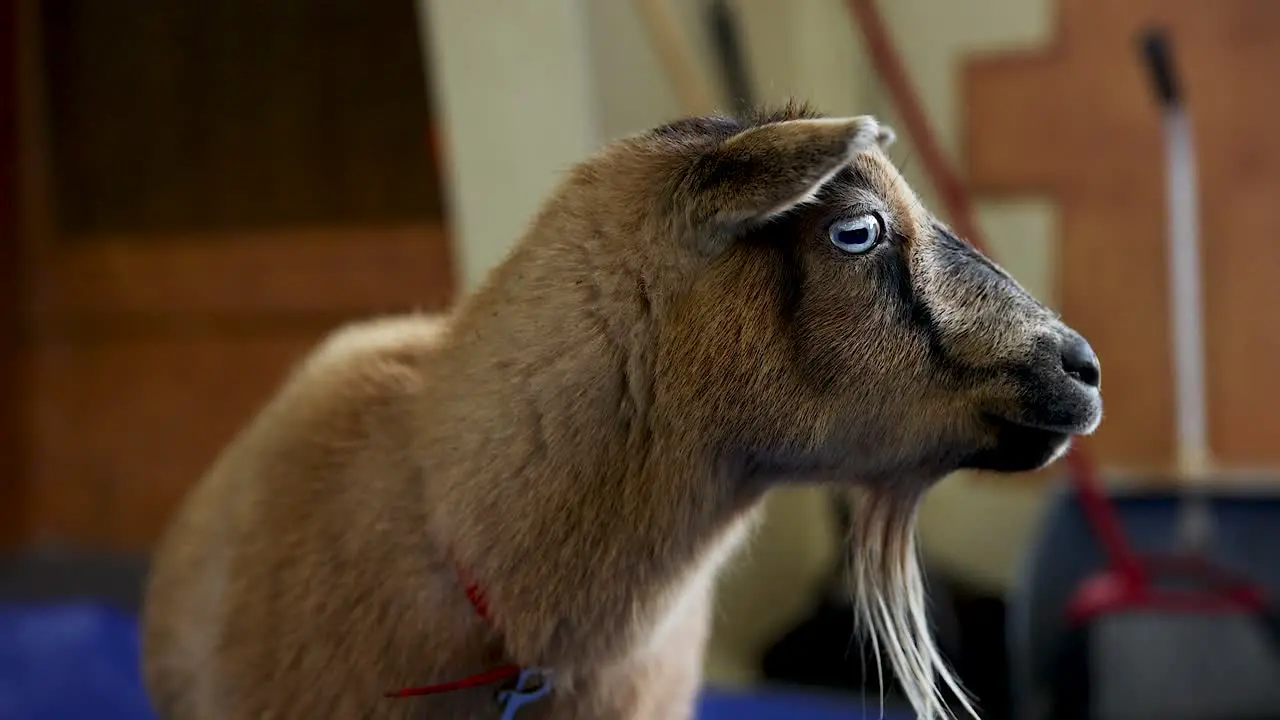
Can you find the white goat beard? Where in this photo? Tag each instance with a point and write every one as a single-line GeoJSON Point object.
{"type": "Point", "coordinates": [889, 597]}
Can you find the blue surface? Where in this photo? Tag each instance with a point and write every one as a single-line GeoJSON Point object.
{"type": "Point", "coordinates": [778, 705]}
{"type": "Point", "coordinates": [67, 662]}
{"type": "Point", "coordinates": [80, 661]}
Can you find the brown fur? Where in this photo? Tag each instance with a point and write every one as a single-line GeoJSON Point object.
{"type": "Point", "coordinates": [590, 434]}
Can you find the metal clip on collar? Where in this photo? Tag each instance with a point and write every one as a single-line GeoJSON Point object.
{"type": "Point", "coordinates": [532, 685]}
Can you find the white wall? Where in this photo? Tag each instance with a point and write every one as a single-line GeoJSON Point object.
{"type": "Point", "coordinates": [516, 104]}
{"type": "Point", "coordinates": [801, 48]}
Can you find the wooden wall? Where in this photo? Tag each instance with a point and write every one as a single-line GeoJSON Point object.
{"type": "Point", "coordinates": [233, 114]}
{"type": "Point", "coordinates": [1078, 121]}
{"type": "Point", "coordinates": [210, 187]}
{"type": "Point", "coordinates": [13, 448]}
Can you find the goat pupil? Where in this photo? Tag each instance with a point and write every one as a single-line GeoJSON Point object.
{"type": "Point", "coordinates": [854, 237]}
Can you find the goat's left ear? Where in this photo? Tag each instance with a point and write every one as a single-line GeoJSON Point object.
{"type": "Point", "coordinates": [770, 169]}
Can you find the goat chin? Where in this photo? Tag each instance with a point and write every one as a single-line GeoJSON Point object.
{"type": "Point", "coordinates": [889, 594]}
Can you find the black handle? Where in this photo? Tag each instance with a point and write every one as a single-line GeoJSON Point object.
{"type": "Point", "coordinates": [1155, 50]}
{"type": "Point", "coordinates": [726, 40]}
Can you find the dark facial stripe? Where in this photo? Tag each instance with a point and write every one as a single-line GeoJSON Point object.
{"type": "Point", "coordinates": [919, 316]}
{"type": "Point", "coordinates": [898, 284]}
{"type": "Point", "coordinates": [790, 284]}
{"type": "Point", "coordinates": [776, 240]}
{"type": "Point", "coordinates": [962, 251]}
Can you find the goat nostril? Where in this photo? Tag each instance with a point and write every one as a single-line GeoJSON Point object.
{"type": "Point", "coordinates": [1080, 362]}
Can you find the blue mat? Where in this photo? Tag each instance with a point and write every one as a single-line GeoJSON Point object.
{"type": "Point", "coordinates": [67, 662]}
{"type": "Point", "coordinates": [79, 661]}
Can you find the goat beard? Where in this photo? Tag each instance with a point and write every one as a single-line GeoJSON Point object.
{"type": "Point", "coordinates": [890, 600]}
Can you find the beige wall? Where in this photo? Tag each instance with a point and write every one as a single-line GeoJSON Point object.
{"type": "Point", "coordinates": [514, 83]}
{"type": "Point", "coordinates": [596, 78]}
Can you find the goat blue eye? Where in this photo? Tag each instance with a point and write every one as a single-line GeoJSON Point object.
{"type": "Point", "coordinates": [856, 235]}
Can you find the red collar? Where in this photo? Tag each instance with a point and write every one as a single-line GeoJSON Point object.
{"type": "Point", "coordinates": [532, 684]}
{"type": "Point", "coordinates": [475, 595]}
{"type": "Point", "coordinates": [481, 607]}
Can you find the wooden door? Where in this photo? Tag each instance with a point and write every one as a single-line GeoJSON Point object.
{"type": "Point", "coordinates": [208, 187]}
{"type": "Point", "coordinates": [1078, 120]}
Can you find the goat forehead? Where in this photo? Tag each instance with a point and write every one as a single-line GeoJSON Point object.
{"type": "Point", "coordinates": [876, 174]}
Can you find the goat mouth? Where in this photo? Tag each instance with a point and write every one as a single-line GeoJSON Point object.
{"type": "Point", "coordinates": [1048, 401]}
{"type": "Point", "coordinates": [1067, 422]}
{"type": "Point", "coordinates": [1018, 446]}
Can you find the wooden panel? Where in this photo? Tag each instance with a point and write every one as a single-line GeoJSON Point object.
{"type": "Point", "coordinates": [147, 357]}
{"type": "Point", "coordinates": [171, 116]}
{"type": "Point", "coordinates": [12, 388]}
{"type": "Point", "coordinates": [214, 187]}
{"type": "Point", "coordinates": [374, 269]}
{"type": "Point", "coordinates": [125, 425]}
{"type": "Point", "coordinates": [1078, 121]}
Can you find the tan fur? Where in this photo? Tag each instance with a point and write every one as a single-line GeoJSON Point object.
{"type": "Point", "coordinates": [590, 434]}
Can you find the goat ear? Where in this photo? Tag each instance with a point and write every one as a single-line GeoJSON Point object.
{"type": "Point", "coordinates": [772, 168]}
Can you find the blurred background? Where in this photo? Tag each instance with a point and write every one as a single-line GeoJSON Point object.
{"type": "Point", "coordinates": [193, 192]}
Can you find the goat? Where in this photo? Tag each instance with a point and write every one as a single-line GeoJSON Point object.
{"type": "Point", "coordinates": [550, 475]}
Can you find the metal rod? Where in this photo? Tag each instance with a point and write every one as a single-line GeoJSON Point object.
{"type": "Point", "coordinates": [726, 39]}
{"type": "Point", "coordinates": [1187, 323]}
{"type": "Point", "coordinates": [677, 57]}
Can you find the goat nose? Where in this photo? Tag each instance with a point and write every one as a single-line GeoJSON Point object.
{"type": "Point", "coordinates": [1079, 361]}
